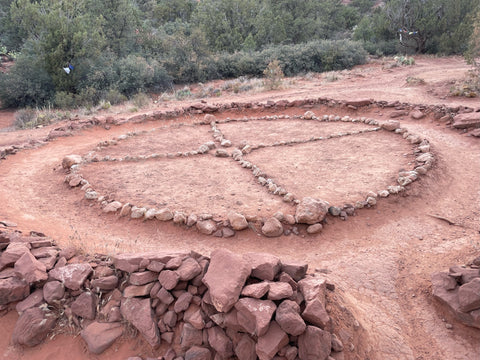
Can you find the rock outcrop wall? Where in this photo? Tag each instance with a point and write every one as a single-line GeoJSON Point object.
{"type": "Point", "coordinates": [459, 291]}
{"type": "Point", "coordinates": [226, 306]}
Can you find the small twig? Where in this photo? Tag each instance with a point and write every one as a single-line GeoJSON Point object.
{"type": "Point", "coordinates": [450, 222]}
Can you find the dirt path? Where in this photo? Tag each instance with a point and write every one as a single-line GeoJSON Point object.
{"type": "Point", "coordinates": [380, 260]}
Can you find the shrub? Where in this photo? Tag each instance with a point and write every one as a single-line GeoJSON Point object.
{"type": "Point", "coordinates": [273, 75]}
{"type": "Point", "coordinates": [25, 118]}
{"type": "Point", "coordinates": [140, 100]}
{"type": "Point", "coordinates": [114, 97]}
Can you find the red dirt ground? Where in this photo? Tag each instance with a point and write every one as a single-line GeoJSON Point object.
{"type": "Point", "coordinates": [380, 260]}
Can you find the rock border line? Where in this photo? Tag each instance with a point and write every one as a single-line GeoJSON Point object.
{"type": "Point", "coordinates": [309, 211]}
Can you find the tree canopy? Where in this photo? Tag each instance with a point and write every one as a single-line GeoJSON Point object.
{"type": "Point", "coordinates": [142, 45]}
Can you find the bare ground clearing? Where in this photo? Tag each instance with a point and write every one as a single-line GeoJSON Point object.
{"type": "Point", "coordinates": [380, 260]}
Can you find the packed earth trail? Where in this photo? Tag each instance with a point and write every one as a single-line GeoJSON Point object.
{"type": "Point", "coordinates": [380, 260]}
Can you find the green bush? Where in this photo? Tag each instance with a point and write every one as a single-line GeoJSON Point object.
{"type": "Point", "coordinates": [140, 100]}
{"type": "Point", "coordinates": [273, 75]}
{"type": "Point", "coordinates": [114, 97]}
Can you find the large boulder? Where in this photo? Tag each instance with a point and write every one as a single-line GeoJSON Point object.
{"type": "Point", "coordinates": [100, 336]}
{"type": "Point", "coordinates": [32, 327]}
{"type": "Point", "coordinates": [225, 278]}
{"type": "Point", "coordinates": [311, 211]}
{"type": "Point", "coordinates": [140, 314]}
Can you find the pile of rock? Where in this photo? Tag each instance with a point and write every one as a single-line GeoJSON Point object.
{"type": "Point", "coordinates": [250, 306]}
{"type": "Point", "coordinates": [459, 290]}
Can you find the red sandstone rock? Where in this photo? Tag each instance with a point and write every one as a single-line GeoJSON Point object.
{"type": "Point", "coordinates": [85, 306]}
{"type": "Point", "coordinates": [311, 211]}
{"type": "Point", "coordinates": [165, 296]}
{"type": "Point", "coordinates": [190, 337]}
{"type": "Point", "coordinates": [296, 270]}
{"type": "Point", "coordinates": [30, 269]}
{"type": "Point", "coordinates": [313, 287]}
{"type": "Point", "coordinates": [70, 160]}
{"type": "Point", "coordinates": [133, 291]}
{"type": "Point", "coordinates": [183, 302]}
{"type": "Point", "coordinates": [264, 266]}
{"type": "Point", "coordinates": [220, 342]}
{"type": "Point", "coordinates": [256, 290]}
{"type": "Point", "coordinates": [272, 227]}
{"type": "Point", "coordinates": [245, 349]}
{"type": "Point", "coordinates": [198, 353]}
{"type": "Point", "coordinates": [359, 102]}
{"type": "Point", "coordinates": [33, 300]}
{"type": "Point", "coordinates": [272, 341]}
{"type": "Point", "coordinates": [316, 314]}
{"type": "Point", "coordinates": [469, 296]}
{"type": "Point", "coordinates": [13, 252]}
{"type": "Point", "coordinates": [289, 319]}
{"type": "Point", "coordinates": [225, 278]}
{"type": "Point", "coordinates": [279, 291]}
{"type": "Point", "coordinates": [13, 289]}
{"type": "Point", "coordinates": [53, 291]}
{"type": "Point", "coordinates": [467, 120]}
{"type": "Point", "coordinates": [72, 275]}
{"type": "Point", "coordinates": [168, 279]}
{"type": "Point", "coordinates": [188, 269]}
{"type": "Point", "coordinates": [206, 227]}
{"type": "Point", "coordinates": [100, 336]}
{"type": "Point", "coordinates": [32, 327]}
{"type": "Point", "coordinates": [103, 284]}
{"type": "Point", "coordinates": [194, 316]}
{"type": "Point", "coordinates": [314, 344]}
{"type": "Point", "coordinates": [142, 278]}
{"type": "Point", "coordinates": [255, 315]}
{"type": "Point", "coordinates": [139, 313]}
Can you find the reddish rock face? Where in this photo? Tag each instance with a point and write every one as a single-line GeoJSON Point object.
{"type": "Point", "coordinates": [198, 353]}
{"type": "Point", "coordinates": [100, 336]}
{"type": "Point", "coordinates": [225, 278]}
{"type": "Point", "coordinates": [32, 327]}
{"type": "Point", "coordinates": [469, 296]}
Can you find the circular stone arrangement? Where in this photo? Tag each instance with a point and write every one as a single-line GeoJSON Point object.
{"type": "Point", "coordinates": [214, 154]}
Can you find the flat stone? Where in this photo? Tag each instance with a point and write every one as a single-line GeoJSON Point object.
{"type": "Point", "coordinates": [85, 306]}
{"type": "Point", "coordinates": [100, 336]}
{"type": "Point", "coordinates": [469, 296]}
{"type": "Point", "coordinates": [198, 353]}
{"type": "Point", "coordinates": [297, 270]}
{"type": "Point", "coordinates": [225, 278]}
{"type": "Point", "coordinates": [467, 120]}
{"type": "Point", "coordinates": [188, 269]}
{"type": "Point", "coordinates": [135, 291]}
{"type": "Point", "coordinates": [32, 300]}
{"type": "Point", "coordinates": [142, 278]}
{"type": "Point", "coordinates": [106, 283]}
{"type": "Point", "coordinates": [72, 275]}
{"type": "Point", "coordinates": [139, 313]}
{"type": "Point", "coordinates": [256, 291]}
